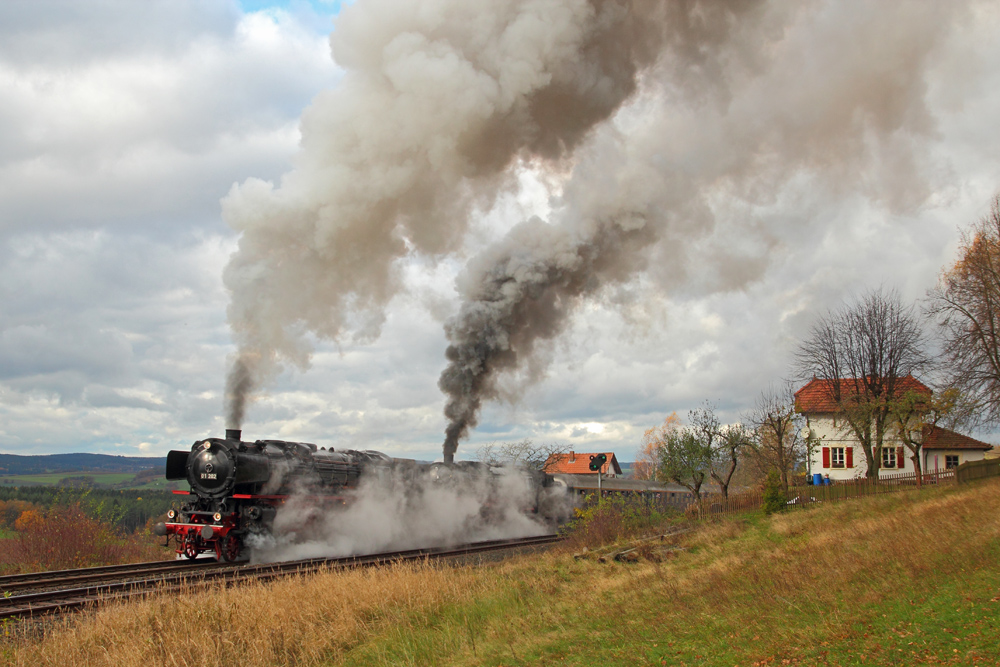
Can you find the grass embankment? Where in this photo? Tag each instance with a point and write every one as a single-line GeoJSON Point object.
{"type": "Point", "coordinates": [900, 579]}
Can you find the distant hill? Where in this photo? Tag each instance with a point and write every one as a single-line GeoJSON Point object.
{"type": "Point", "coordinates": [14, 464]}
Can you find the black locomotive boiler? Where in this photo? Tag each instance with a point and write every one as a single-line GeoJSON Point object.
{"type": "Point", "coordinates": [237, 487]}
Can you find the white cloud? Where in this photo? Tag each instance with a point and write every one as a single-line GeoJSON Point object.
{"type": "Point", "coordinates": [123, 124]}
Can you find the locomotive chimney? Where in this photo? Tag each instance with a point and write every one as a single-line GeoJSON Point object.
{"type": "Point", "coordinates": [234, 434]}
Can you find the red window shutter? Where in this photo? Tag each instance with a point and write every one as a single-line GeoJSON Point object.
{"type": "Point", "coordinates": [826, 457]}
{"type": "Point", "coordinates": [900, 460]}
{"type": "Point", "coordinates": [849, 457]}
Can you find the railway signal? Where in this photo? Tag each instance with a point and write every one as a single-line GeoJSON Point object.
{"type": "Point", "coordinates": [597, 462]}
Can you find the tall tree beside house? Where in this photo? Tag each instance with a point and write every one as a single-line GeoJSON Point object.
{"type": "Point", "coordinates": [777, 432]}
{"type": "Point", "coordinates": [966, 305]}
{"type": "Point", "coordinates": [913, 414]}
{"type": "Point", "coordinates": [866, 349]}
{"type": "Point", "coordinates": [648, 459]}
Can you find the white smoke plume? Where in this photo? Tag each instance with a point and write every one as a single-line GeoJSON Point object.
{"type": "Point", "coordinates": [832, 93]}
{"type": "Point", "coordinates": [439, 98]}
{"type": "Point", "coordinates": [399, 513]}
{"type": "Point", "coordinates": [667, 127]}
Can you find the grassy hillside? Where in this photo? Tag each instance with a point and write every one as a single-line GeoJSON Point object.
{"type": "Point", "coordinates": [899, 579]}
{"type": "Point", "coordinates": [99, 480]}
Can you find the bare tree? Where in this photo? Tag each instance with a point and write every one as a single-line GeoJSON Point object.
{"type": "Point", "coordinates": [866, 351]}
{"type": "Point", "coordinates": [966, 305]}
{"type": "Point", "coordinates": [777, 431]}
{"type": "Point", "coordinates": [523, 453]}
{"type": "Point", "coordinates": [727, 453]}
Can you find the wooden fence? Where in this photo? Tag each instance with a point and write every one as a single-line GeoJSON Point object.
{"type": "Point", "coordinates": [739, 503]}
{"type": "Point", "coordinates": [971, 470]}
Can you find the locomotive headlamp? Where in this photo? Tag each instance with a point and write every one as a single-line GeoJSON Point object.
{"type": "Point", "coordinates": [171, 514]}
{"type": "Point", "coordinates": [217, 516]}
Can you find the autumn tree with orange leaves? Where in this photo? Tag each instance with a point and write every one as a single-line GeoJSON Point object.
{"type": "Point", "coordinates": [648, 459]}
{"type": "Point", "coordinates": [966, 305]}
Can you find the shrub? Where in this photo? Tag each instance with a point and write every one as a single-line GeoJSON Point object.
{"type": "Point", "coordinates": [774, 496]}
{"type": "Point", "coordinates": [614, 519]}
{"type": "Point", "coordinates": [66, 537]}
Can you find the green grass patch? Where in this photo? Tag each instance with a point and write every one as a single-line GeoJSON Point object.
{"type": "Point", "coordinates": [847, 584]}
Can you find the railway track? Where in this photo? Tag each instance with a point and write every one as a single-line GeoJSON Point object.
{"type": "Point", "coordinates": [120, 582]}
{"type": "Point", "coordinates": [16, 583]}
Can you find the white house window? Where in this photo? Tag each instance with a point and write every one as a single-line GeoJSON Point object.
{"type": "Point", "coordinates": [951, 461]}
{"type": "Point", "coordinates": [836, 457]}
{"type": "Point", "coordinates": [888, 457]}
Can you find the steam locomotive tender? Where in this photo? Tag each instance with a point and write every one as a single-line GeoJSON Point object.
{"type": "Point", "coordinates": [237, 487]}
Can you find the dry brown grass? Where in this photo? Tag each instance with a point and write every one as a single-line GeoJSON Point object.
{"type": "Point", "coordinates": [861, 549]}
{"type": "Point", "coordinates": [760, 587]}
{"type": "Point", "coordinates": [298, 621]}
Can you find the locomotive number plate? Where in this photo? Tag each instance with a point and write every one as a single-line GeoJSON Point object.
{"type": "Point", "coordinates": [208, 475]}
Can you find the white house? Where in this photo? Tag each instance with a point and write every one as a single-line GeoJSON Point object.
{"type": "Point", "coordinates": [838, 453]}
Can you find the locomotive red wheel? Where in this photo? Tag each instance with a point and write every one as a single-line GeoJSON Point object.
{"type": "Point", "coordinates": [191, 547]}
{"type": "Point", "coordinates": [231, 548]}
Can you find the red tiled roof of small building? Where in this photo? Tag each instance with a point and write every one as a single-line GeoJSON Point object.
{"type": "Point", "coordinates": [578, 463]}
{"type": "Point", "coordinates": [936, 437]}
{"type": "Point", "coordinates": [817, 396]}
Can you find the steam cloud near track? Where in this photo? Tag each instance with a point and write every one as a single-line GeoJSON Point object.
{"type": "Point", "coordinates": [396, 515]}
{"type": "Point", "coordinates": [667, 126]}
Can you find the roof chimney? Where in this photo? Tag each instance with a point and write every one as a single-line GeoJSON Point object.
{"type": "Point", "coordinates": [572, 456]}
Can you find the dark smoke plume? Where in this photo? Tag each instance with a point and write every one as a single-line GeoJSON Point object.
{"type": "Point", "coordinates": [440, 98]}
{"type": "Point", "coordinates": [732, 112]}
{"type": "Point", "coordinates": [662, 127]}
{"type": "Point", "coordinates": [520, 299]}
{"type": "Point", "coordinates": [239, 387]}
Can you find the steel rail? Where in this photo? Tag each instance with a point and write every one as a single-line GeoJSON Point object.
{"type": "Point", "coordinates": [24, 582]}
{"type": "Point", "coordinates": [9, 580]}
{"type": "Point", "coordinates": [165, 568]}
{"type": "Point", "coordinates": [33, 604]}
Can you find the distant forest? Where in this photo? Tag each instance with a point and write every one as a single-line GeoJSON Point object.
{"type": "Point", "coordinates": [13, 464]}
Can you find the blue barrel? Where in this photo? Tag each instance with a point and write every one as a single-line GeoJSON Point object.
{"type": "Point", "coordinates": [817, 479]}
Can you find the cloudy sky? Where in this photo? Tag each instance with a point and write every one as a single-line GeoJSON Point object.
{"type": "Point", "coordinates": [836, 150]}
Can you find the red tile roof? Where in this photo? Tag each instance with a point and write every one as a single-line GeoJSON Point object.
{"type": "Point", "coordinates": [817, 396]}
{"type": "Point", "coordinates": [578, 463]}
{"type": "Point", "coordinates": [936, 437]}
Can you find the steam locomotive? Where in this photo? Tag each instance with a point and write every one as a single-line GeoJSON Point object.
{"type": "Point", "coordinates": [238, 487]}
